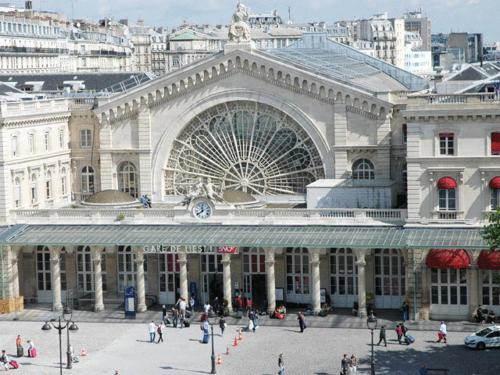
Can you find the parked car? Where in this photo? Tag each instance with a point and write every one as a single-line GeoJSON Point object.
{"type": "Point", "coordinates": [488, 337]}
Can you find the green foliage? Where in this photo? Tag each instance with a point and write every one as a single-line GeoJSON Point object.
{"type": "Point", "coordinates": [120, 216]}
{"type": "Point", "coordinates": [491, 233]}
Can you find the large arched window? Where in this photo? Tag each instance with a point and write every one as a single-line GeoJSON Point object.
{"type": "Point", "coordinates": [363, 169]}
{"type": "Point", "coordinates": [447, 188]}
{"type": "Point", "coordinates": [48, 185]}
{"type": "Point", "coordinates": [127, 178]}
{"type": "Point", "coordinates": [87, 179]}
{"type": "Point", "coordinates": [34, 188]}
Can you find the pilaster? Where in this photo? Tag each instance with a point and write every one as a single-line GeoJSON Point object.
{"type": "Point", "coordinates": [141, 288]}
{"type": "Point", "coordinates": [96, 253]}
{"type": "Point", "coordinates": [55, 276]}
{"type": "Point", "coordinates": [144, 138]}
{"type": "Point", "coordinates": [270, 281]}
{"type": "Point", "coordinates": [226, 275]}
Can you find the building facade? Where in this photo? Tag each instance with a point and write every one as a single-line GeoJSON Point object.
{"type": "Point", "coordinates": [246, 138]}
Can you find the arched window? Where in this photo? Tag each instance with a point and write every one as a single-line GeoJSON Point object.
{"type": "Point", "coordinates": [87, 179]}
{"type": "Point", "coordinates": [297, 272]}
{"type": "Point", "coordinates": [17, 192]}
{"type": "Point", "coordinates": [85, 270]}
{"type": "Point", "coordinates": [48, 185]}
{"type": "Point", "coordinates": [64, 182]}
{"type": "Point", "coordinates": [447, 188]}
{"type": "Point", "coordinates": [363, 169]}
{"type": "Point", "coordinates": [127, 178]}
{"type": "Point", "coordinates": [34, 188]}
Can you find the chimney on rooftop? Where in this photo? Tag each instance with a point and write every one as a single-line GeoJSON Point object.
{"type": "Point", "coordinates": [28, 5]}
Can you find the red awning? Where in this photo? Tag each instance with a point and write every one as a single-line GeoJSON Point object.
{"type": "Point", "coordinates": [495, 182]}
{"type": "Point", "coordinates": [489, 260]}
{"type": "Point", "coordinates": [447, 258]}
{"type": "Point", "coordinates": [447, 183]}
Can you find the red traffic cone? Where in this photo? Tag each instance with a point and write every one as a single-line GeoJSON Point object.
{"type": "Point", "coordinates": [83, 352]}
{"type": "Point", "coordinates": [219, 359]}
{"type": "Point", "coordinates": [235, 342]}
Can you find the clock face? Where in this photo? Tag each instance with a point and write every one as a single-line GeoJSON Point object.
{"type": "Point", "coordinates": [202, 210]}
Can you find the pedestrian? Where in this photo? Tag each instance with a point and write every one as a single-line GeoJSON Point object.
{"type": "Point", "coordinates": [192, 302]}
{"type": "Point", "coordinates": [204, 327]}
{"type": "Point", "coordinates": [353, 365]}
{"type": "Point", "coordinates": [382, 336]}
{"type": "Point", "coordinates": [399, 332]}
{"type": "Point", "coordinates": [159, 330]}
{"type": "Point", "coordinates": [344, 365]}
{"type": "Point", "coordinates": [443, 331]}
{"type": "Point", "coordinates": [405, 308]}
{"type": "Point", "coordinates": [163, 313]}
{"type": "Point", "coordinates": [239, 302]}
{"type": "Point", "coordinates": [152, 331]}
{"type": "Point", "coordinates": [302, 321]}
{"type": "Point", "coordinates": [281, 365]}
{"type": "Point", "coordinates": [206, 308]}
{"type": "Point", "coordinates": [181, 305]}
{"type": "Point", "coordinates": [222, 325]}
{"type": "Point", "coordinates": [4, 359]}
{"type": "Point", "coordinates": [175, 317]}
{"type": "Point", "coordinates": [249, 304]}
{"type": "Point", "coordinates": [31, 349]}
{"type": "Point", "coordinates": [216, 305]}
{"type": "Point", "coordinates": [19, 346]}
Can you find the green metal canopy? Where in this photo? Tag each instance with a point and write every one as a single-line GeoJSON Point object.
{"type": "Point", "coordinates": [243, 236]}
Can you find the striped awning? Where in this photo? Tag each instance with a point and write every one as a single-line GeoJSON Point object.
{"type": "Point", "coordinates": [271, 236]}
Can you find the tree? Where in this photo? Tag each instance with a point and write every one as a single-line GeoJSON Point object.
{"type": "Point", "coordinates": [491, 232]}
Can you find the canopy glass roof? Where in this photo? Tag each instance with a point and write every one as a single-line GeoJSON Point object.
{"type": "Point", "coordinates": [243, 236]}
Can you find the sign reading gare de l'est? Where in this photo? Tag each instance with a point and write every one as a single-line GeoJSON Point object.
{"type": "Point", "coordinates": [195, 249]}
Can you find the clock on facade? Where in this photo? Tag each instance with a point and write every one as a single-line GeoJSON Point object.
{"type": "Point", "coordinates": [202, 210]}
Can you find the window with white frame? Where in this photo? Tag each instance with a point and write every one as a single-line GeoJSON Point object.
{"type": "Point", "coordinates": [43, 268]}
{"type": "Point", "coordinates": [127, 268]}
{"type": "Point", "coordinates": [495, 199]}
{"type": "Point", "coordinates": [17, 192]}
{"type": "Point", "coordinates": [447, 199]}
{"type": "Point", "coordinates": [61, 138]}
{"type": "Point", "coordinates": [46, 140]}
{"type": "Point", "coordinates": [85, 269]}
{"type": "Point", "coordinates": [491, 287]}
{"type": "Point", "coordinates": [87, 179]}
{"type": "Point", "coordinates": [34, 188]}
{"type": "Point", "coordinates": [31, 143]}
{"type": "Point", "coordinates": [64, 182]}
{"type": "Point", "coordinates": [363, 169]}
{"type": "Point", "coordinates": [449, 286]}
{"type": "Point", "coordinates": [169, 272]}
{"type": "Point", "coordinates": [85, 138]}
{"type": "Point", "coordinates": [343, 272]}
{"type": "Point", "coordinates": [14, 145]}
{"type": "Point", "coordinates": [48, 184]}
{"type": "Point", "coordinates": [127, 178]}
{"type": "Point", "coordinates": [446, 144]}
{"type": "Point", "coordinates": [297, 271]}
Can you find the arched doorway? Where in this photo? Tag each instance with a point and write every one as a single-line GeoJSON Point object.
{"type": "Point", "coordinates": [254, 276]}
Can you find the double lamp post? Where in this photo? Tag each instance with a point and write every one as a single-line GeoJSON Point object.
{"type": "Point", "coordinates": [371, 322]}
{"type": "Point", "coordinates": [63, 322]}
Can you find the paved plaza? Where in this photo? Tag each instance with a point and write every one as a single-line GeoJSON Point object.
{"type": "Point", "coordinates": [125, 346]}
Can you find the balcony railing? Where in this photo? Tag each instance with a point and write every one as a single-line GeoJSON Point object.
{"type": "Point", "coordinates": [448, 215]}
{"type": "Point", "coordinates": [461, 99]}
{"type": "Point", "coordinates": [338, 216]}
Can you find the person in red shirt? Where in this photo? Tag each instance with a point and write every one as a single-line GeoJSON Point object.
{"type": "Point", "coordinates": [249, 304]}
{"type": "Point", "coordinates": [239, 302]}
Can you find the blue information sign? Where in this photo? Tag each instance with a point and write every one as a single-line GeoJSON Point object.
{"type": "Point", "coordinates": [129, 302]}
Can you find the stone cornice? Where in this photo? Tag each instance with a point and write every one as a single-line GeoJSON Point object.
{"type": "Point", "coordinates": [31, 120]}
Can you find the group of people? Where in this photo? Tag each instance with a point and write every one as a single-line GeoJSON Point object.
{"type": "Point", "coordinates": [156, 329]}
{"type": "Point", "coordinates": [348, 365]}
{"type": "Point", "coordinates": [145, 201]}
{"type": "Point", "coordinates": [9, 363]}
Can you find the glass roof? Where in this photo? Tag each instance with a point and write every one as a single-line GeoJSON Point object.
{"type": "Point", "coordinates": [336, 60]}
{"type": "Point", "coordinates": [244, 236]}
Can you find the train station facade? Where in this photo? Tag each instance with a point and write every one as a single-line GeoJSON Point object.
{"type": "Point", "coordinates": [307, 175]}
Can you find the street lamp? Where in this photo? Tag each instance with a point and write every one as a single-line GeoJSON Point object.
{"type": "Point", "coordinates": [214, 370]}
{"type": "Point", "coordinates": [69, 326]}
{"type": "Point", "coordinates": [371, 323]}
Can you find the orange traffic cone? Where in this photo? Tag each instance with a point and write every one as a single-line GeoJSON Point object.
{"type": "Point", "coordinates": [235, 342]}
{"type": "Point", "coordinates": [219, 359]}
{"type": "Point", "coordinates": [227, 350]}
{"type": "Point", "coordinates": [83, 352]}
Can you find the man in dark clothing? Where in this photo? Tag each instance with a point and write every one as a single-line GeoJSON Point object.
{"type": "Point", "coordinates": [382, 336]}
{"type": "Point", "coordinates": [163, 312]}
{"type": "Point", "coordinates": [344, 365]}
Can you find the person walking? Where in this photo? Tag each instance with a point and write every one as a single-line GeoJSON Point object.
{"type": "Point", "coordinates": [192, 303]}
{"type": "Point", "coordinates": [31, 349]}
{"type": "Point", "coordinates": [353, 365]}
{"type": "Point", "coordinates": [4, 359]}
{"type": "Point", "coordinates": [281, 365]}
{"type": "Point", "coordinates": [222, 325]}
{"type": "Point", "coordinates": [205, 327]}
{"type": "Point", "coordinates": [302, 321]}
{"type": "Point", "coordinates": [443, 331]}
{"type": "Point", "coordinates": [381, 336]}
{"type": "Point", "coordinates": [19, 346]}
{"type": "Point", "coordinates": [399, 332]}
{"type": "Point", "coordinates": [182, 310]}
{"type": "Point", "coordinates": [249, 304]}
{"type": "Point", "coordinates": [344, 365]}
{"type": "Point", "coordinates": [163, 313]}
{"type": "Point", "coordinates": [175, 317]}
{"type": "Point", "coordinates": [152, 331]}
{"type": "Point", "coordinates": [405, 308]}
{"type": "Point", "coordinates": [159, 330]}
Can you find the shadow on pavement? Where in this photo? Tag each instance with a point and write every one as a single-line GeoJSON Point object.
{"type": "Point", "coordinates": [182, 369]}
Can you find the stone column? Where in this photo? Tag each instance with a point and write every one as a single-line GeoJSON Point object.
{"type": "Point", "coordinates": [183, 278]}
{"type": "Point", "coordinates": [15, 272]}
{"type": "Point", "coordinates": [226, 275]}
{"type": "Point", "coordinates": [473, 287]}
{"type": "Point", "coordinates": [361, 263]}
{"type": "Point", "coordinates": [97, 259]}
{"type": "Point", "coordinates": [55, 278]}
{"type": "Point", "coordinates": [141, 289]}
{"type": "Point", "coordinates": [315, 281]}
{"type": "Point", "coordinates": [270, 281]}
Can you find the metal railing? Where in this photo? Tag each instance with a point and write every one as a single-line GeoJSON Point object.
{"type": "Point", "coordinates": [444, 99]}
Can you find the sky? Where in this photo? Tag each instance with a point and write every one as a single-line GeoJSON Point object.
{"type": "Point", "coordinates": [446, 15]}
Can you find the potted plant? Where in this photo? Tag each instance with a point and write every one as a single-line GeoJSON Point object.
{"type": "Point", "coordinates": [120, 216]}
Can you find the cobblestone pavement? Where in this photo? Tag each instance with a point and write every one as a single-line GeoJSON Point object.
{"type": "Point", "coordinates": [318, 351]}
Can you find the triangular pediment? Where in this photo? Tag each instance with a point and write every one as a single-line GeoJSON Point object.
{"type": "Point", "coordinates": [256, 64]}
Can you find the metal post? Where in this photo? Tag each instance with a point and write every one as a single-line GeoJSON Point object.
{"type": "Point", "coordinates": [414, 286]}
{"type": "Point", "coordinates": [69, 361]}
{"type": "Point", "coordinates": [372, 364]}
{"type": "Point", "coordinates": [214, 370]}
{"type": "Point", "coordinates": [59, 329]}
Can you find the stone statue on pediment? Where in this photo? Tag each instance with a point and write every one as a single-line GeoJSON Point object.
{"type": "Point", "coordinates": [239, 31]}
